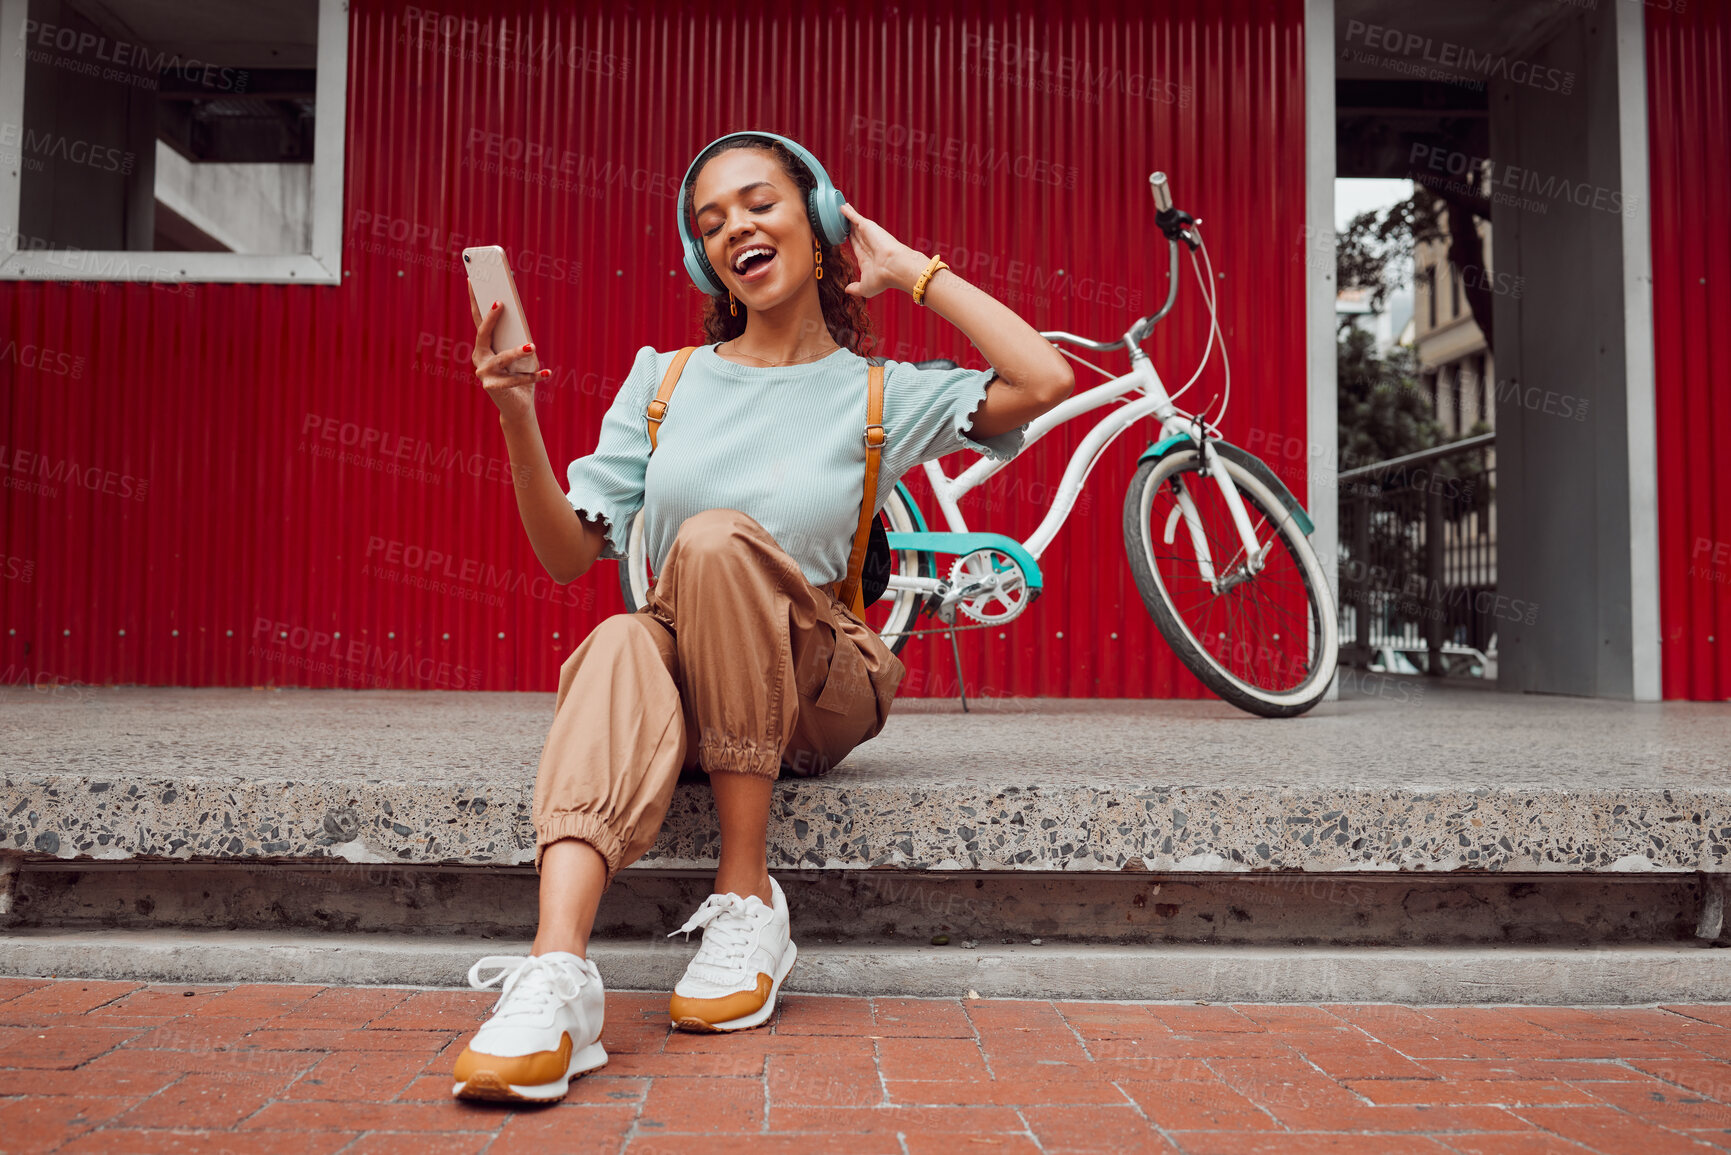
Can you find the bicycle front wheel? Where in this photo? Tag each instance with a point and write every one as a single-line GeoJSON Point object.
{"type": "Point", "coordinates": [1266, 642]}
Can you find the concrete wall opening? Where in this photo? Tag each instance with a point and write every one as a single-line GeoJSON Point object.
{"type": "Point", "coordinates": [1522, 127]}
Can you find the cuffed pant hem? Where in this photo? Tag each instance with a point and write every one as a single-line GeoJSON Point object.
{"type": "Point", "coordinates": [739, 756]}
{"type": "Point", "coordinates": [581, 825]}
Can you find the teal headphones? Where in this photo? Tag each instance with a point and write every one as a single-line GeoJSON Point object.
{"type": "Point", "coordinates": [823, 205]}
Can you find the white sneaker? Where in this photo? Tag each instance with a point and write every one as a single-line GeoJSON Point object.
{"type": "Point", "coordinates": [747, 951]}
{"type": "Point", "coordinates": [545, 1029]}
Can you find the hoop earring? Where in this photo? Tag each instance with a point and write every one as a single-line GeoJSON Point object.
{"type": "Point", "coordinates": [817, 250]}
{"type": "Point", "coordinates": [732, 309]}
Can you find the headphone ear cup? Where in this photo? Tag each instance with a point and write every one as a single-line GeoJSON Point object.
{"type": "Point", "coordinates": [825, 202]}
{"type": "Point", "coordinates": [701, 273]}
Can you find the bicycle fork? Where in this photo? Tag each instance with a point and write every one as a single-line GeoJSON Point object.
{"type": "Point", "coordinates": [1172, 424]}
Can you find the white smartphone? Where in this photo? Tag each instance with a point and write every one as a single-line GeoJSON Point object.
{"type": "Point", "coordinates": [490, 277]}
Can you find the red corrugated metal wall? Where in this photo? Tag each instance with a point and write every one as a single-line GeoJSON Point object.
{"type": "Point", "coordinates": [305, 486]}
{"type": "Point", "coordinates": [1689, 127]}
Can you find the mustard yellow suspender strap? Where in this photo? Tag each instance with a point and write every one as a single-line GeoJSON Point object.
{"type": "Point", "coordinates": [849, 591]}
{"type": "Point", "coordinates": [658, 407]}
{"type": "Point", "coordinates": [851, 594]}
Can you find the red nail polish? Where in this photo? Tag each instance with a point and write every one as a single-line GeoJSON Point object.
{"type": "Point", "coordinates": [495, 304]}
{"type": "Point", "coordinates": [528, 348]}
{"type": "Point", "coordinates": [546, 372]}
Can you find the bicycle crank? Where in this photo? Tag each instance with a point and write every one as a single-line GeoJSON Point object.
{"type": "Point", "coordinates": [989, 586]}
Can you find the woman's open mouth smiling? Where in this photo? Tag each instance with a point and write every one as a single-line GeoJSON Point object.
{"type": "Point", "coordinates": [753, 262]}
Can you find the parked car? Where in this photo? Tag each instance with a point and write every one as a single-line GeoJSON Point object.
{"type": "Point", "coordinates": [1457, 661]}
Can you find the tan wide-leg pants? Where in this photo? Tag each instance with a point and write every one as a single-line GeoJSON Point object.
{"type": "Point", "coordinates": [736, 662]}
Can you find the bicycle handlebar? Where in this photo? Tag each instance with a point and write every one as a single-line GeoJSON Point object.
{"type": "Point", "coordinates": [1143, 326]}
{"type": "Point", "coordinates": [1162, 192]}
{"type": "Point", "coordinates": [1175, 224]}
{"type": "Point", "coordinates": [1172, 221]}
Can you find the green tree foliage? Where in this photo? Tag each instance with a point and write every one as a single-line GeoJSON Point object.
{"type": "Point", "coordinates": [1375, 249]}
{"type": "Point", "coordinates": [1381, 410]}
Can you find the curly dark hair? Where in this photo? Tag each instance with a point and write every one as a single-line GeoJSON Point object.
{"type": "Point", "coordinates": [845, 316]}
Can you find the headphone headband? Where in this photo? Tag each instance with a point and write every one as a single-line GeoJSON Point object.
{"type": "Point", "coordinates": [823, 206]}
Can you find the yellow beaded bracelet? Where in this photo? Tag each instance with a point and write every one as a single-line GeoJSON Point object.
{"type": "Point", "coordinates": [932, 267]}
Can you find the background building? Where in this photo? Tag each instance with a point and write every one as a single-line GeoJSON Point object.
{"type": "Point", "coordinates": [234, 468]}
{"type": "Point", "coordinates": [1455, 365]}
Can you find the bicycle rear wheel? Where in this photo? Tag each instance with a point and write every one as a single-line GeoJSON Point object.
{"type": "Point", "coordinates": [1265, 642]}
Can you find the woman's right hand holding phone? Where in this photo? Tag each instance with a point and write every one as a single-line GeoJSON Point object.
{"type": "Point", "coordinates": [508, 382]}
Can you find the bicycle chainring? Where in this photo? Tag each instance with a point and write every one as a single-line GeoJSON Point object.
{"type": "Point", "coordinates": [992, 587]}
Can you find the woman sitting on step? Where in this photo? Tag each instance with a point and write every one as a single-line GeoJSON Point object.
{"type": "Point", "coordinates": [750, 652]}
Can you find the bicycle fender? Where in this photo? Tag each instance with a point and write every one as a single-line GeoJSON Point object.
{"type": "Point", "coordinates": [1247, 461]}
{"type": "Point", "coordinates": [919, 518]}
{"type": "Point", "coordinates": [961, 543]}
{"type": "Point", "coordinates": [919, 521]}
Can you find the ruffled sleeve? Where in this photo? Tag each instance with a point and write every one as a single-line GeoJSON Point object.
{"type": "Point", "coordinates": [927, 413]}
{"type": "Point", "coordinates": [607, 485]}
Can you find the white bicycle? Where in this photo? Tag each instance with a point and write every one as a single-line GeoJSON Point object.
{"type": "Point", "coordinates": [1218, 546]}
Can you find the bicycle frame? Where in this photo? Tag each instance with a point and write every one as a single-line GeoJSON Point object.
{"type": "Point", "coordinates": [1143, 378]}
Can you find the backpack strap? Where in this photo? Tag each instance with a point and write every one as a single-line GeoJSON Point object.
{"type": "Point", "coordinates": [850, 593]}
{"type": "Point", "coordinates": [657, 410]}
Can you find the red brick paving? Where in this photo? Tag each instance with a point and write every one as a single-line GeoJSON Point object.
{"type": "Point", "coordinates": [110, 1067]}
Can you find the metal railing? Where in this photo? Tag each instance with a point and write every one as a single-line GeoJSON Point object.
{"type": "Point", "coordinates": [1418, 565]}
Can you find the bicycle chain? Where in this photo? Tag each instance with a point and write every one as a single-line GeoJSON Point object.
{"type": "Point", "coordinates": [944, 630]}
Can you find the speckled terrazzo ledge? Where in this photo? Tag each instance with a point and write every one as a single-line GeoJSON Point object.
{"type": "Point", "coordinates": [1450, 780]}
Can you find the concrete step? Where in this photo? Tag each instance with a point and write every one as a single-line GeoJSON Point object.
{"type": "Point", "coordinates": [888, 906]}
{"type": "Point", "coordinates": [1623, 975]}
{"type": "Point", "coordinates": [1419, 845]}
{"type": "Point", "coordinates": [1419, 780]}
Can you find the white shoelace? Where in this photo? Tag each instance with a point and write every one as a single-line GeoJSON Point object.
{"type": "Point", "coordinates": [535, 980]}
{"type": "Point", "coordinates": [727, 931]}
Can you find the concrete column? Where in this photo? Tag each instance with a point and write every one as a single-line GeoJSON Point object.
{"type": "Point", "coordinates": [1319, 291]}
{"type": "Point", "coordinates": [1566, 463]}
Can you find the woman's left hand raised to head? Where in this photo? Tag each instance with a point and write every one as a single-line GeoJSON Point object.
{"type": "Point", "coordinates": [1031, 375]}
{"type": "Point", "coordinates": [884, 262]}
